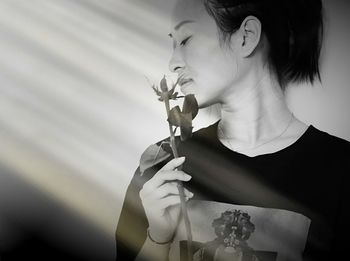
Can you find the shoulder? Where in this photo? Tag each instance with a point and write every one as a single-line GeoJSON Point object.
{"type": "Point", "coordinates": [159, 153]}
{"type": "Point", "coordinates": [328, 142]}
{"type": "Point", "coordinates": [325, 151]}
{"type": "Point", "coordinates": [154, 157]}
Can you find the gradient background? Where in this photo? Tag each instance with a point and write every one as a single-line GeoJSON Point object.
{"type": "Point", "coordinates": [76, 112]}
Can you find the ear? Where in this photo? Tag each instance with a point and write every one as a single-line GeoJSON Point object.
{"type": "Point", "coordinates": [250, 33]}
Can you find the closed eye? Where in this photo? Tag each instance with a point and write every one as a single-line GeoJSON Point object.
{"type": "Point", "coordinates": [185, 41]}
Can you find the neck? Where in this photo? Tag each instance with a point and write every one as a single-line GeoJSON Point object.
{"type": "Point", "coordinates": [255, 114]}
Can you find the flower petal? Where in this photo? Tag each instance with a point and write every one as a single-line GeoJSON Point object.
{"type": "Point", "coordinates": [164, 85]}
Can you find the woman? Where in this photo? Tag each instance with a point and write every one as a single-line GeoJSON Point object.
{"type": "Point", "coordinates": [259, 184]}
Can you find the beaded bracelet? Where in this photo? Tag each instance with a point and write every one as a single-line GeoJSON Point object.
{"type": "Point", "coordinates": [158, 243]}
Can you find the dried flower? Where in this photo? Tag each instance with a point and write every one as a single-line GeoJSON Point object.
{"type": "Point", "coordinates": [164, 93]}
{"type": "Point", "coordinates": [176, 118]}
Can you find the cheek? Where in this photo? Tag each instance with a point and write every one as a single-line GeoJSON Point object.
{"type": "Point", "coordinates": [218, 71]}
{"type": "Point", "coordinates": [212, 68]}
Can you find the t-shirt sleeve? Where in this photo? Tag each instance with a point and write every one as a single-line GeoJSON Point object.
{"type": "Point", "coordinates": [132, 225]}
{"type": "Point", "coordinates": [340, 246]}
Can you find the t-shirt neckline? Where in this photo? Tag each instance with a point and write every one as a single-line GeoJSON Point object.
{"type": "Point", "coordinates": [214, 140]}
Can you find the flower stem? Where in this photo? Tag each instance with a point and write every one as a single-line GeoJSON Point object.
{"type": "Point", "coordinates": [180, 187]}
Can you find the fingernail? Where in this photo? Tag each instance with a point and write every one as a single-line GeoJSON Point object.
{"type": "Point", "coordinates": [182, 158]}
{"type": "Point", "coordinates": [191, 194]}
{"type": "Point", "coordinates": [188, 176]}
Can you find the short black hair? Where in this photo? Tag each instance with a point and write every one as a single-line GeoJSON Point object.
{"type": "Point", "coordinates": [293, 28]}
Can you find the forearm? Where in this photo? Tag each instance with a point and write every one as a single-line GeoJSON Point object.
{"type": "Point", "coordinates": [153, 251]}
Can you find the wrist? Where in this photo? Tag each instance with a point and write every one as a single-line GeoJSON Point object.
{"type": "Point", "coordinates": [156, 241]}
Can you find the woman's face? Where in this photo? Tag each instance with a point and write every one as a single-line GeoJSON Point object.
{"type": "Point", "coordinates": [205, 68]}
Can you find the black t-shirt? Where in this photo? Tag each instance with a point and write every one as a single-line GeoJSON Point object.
{"type": "Point", "coordinates": [286, 205]}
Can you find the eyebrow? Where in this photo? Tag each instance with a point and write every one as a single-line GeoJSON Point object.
{"type": "Point", "coordinates": [177, 27]}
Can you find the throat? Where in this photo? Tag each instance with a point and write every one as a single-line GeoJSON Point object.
{"type": "Point", "coordinates": [291, 133]}
{"type": "Point", "coordinates": [255, 116]}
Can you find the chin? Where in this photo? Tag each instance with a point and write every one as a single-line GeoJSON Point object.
{"type": "Point", "coordinates": [202, 98]}
{"type": "Point", "coordinates": [203, 103]}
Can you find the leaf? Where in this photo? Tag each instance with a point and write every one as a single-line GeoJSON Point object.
{"type": "Point", "coordinates": [190, 105]}
{"type": "Point", "coordinates": [186, 126]}
{"type": "Point", "coordinates": [180, 119]}
{"type": "Point", "coordinates": [186, 133]}
{"type": "Point", "coordinates": [156, 90]}
{"type": "Point", "coordinates": [175, 116]}
{"type": "Point", "coordinates": [171, 91]}
{"type": "Point", "coordinates": [184, 119]}
{"type": "Point", "coordinates": [174, 96]}
{"type": "Point", "coordinates": [153, 155]}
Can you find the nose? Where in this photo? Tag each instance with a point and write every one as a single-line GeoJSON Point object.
{"type": "Point", "coordinates": [176, 62]}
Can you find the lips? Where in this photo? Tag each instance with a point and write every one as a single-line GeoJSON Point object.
{"type": "Point", "coordinates": [183, 81]}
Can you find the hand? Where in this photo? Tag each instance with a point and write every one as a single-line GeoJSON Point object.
{"type": "Point", "coordinates": [160, 199]}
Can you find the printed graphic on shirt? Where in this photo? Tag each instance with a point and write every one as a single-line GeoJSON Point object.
{"type": "Point", "coordinates": [225, 232]}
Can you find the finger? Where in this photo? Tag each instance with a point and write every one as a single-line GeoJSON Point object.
{"type": "Point", "coordinates": [161, 177]}
{"type": "Point", "coordinates": [174, 163]}
{"type": "Point", "coordinates": [188, 193]}
{"type": "Point", "coordinates": [170, 201]}
{"type": "Point", "coordinates": [165, 190]}
{"type": "Point", "coordinates": [169, 189]}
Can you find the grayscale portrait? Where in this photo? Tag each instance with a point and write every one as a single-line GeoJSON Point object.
{"type": "Point", "coordinates": [174, 130]}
